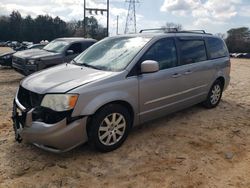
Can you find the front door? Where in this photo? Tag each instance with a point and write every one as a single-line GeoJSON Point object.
{"type": "Point", "coordinates": [160, 92]}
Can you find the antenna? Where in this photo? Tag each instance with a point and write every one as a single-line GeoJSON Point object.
{"type": "Point", "coordinates": [130, 26]}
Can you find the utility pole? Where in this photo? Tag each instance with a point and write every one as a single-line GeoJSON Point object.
{"type": "Point", "coordinates": [107, 18]}
{"type": "Point", "coordinates": [130, 26]}
{"type": "Point", "coordinates": [84, 18]}
{"type": "Point", "coordinates": [96, 11]}
{"type": "Point", "coordinates": [117, 25]}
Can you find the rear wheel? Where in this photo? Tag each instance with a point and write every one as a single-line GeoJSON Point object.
{"type": "Point", "coordinates": [109, 127]}
{"type": "Point", "coordinates": [214, 95]}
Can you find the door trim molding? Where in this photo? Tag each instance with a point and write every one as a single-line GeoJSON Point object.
{"type": "Point", "coordinates": [174, 95]}
{"type": "Point", "coordinates": [170, 104]}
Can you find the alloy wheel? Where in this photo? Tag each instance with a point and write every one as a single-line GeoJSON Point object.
{"type": "Point", "coordinates": [215, 94]}
{"type": "Point", "coordinates": [112, 129]}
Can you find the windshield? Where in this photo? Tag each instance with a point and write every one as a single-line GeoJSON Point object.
{"type": "Point", "coordinates": [112, 54]}
{"type": "Point", "coordinates": [56, 46]}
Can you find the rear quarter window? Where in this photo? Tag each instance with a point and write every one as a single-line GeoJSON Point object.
{"type": "Point", "coordinates": [216, 48]}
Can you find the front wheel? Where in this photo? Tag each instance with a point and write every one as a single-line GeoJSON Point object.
{"type": "Point", "coordinates": [214, 95]}
{"type": "Point", "coordinates": [109, 127]}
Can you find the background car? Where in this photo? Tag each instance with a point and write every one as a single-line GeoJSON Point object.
{"type": "Point", "coordinates": [36, 46]}
{"type": "Point", "coordinates": [56, 52]}
{"type": "Point", "coordinates": [6, 56]}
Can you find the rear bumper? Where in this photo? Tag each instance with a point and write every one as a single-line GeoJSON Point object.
{"type": "Point", "coordinates": [57, 137]}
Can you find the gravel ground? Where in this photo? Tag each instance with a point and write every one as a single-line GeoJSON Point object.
{"type": "Point", "coordinates": [192, 148]}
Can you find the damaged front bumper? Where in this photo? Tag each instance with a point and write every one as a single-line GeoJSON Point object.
{"type": "Point", "coordinates": [58, 136]}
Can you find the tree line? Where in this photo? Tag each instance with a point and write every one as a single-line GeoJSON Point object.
{"type": "Point", "coordinates": [238, 40]}
{"type": "Point", "coordinates": [17, 28]}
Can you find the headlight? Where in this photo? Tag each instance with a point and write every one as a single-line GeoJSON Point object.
{"type": "Point", "coordinates": [31, 62]}
{"type": "Point", "coordinates": [59, 102]}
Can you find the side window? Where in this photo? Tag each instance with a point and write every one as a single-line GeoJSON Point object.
{"type": "Point", "coordinates": [164, 52]}
{"type": "Point", "coordinates": [86, 45]}
{"type": "Point", "coordinates": [76, 47]}
{"type": "Point", "coordinates": [192, 51]}
{"type": "Point", "coordinates": [216, 48]}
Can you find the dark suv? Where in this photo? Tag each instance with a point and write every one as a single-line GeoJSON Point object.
{"type": "Point", "coordinates": [58, 51]}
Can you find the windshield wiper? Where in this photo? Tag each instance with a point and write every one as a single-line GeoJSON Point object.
{"type": "Point", "coordinates": [74, 62]}
{"type": "Point", "coordinates": [87, 65]}
{"type": "Point", "coordinates": [91, 66]}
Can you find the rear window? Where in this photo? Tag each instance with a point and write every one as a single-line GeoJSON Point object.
{"type": "Point", "coordinates": [216, 48]}
{"type": "Point", "coordinates": [192, 51]}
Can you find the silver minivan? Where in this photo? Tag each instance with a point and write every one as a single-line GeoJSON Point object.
{"type": "Point", "coordinates": [118, 83]}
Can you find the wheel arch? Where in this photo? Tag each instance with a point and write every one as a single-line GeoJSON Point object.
{"type": "Point", "coordinates": [222, 80]}
{"type": "Point", "coordinates": [119, 102]}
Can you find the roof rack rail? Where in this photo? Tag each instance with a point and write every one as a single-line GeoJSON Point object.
{"type": "Point", "coordinates": [195, 31]}
{"type": "Point", "coordinates": [175, 30]}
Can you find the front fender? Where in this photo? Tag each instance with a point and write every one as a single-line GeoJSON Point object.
{"type": "Point", "coordinates": [92, 106]}
{"type": "Point", "coordinates": [97, 94]}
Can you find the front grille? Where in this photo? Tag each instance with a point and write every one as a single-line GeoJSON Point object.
{"type": "Point", "coordinates": [28, 98]}
{"type": "Point", "coordinates": [18, 60]}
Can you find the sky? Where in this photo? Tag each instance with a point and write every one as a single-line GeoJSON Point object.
{"type": "Point", "coordinates": [214, 16]}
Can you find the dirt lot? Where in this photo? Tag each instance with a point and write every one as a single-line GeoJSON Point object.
{"type": "Point", "coordinates": [193, 148]}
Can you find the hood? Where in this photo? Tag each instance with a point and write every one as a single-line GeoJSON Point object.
{"type": "Point", "coordinates": [34, 54]}
{"type": "Point", "coordinates": [62, 78]}
{"type": "Point", "coordinates": [8, 53]}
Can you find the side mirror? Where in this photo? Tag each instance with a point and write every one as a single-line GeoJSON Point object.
{"type": "Point", "coordinates": [69, 52]}
{"type": "Point", "coordinates": [149, 66]}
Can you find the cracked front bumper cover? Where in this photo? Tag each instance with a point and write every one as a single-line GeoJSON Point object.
{"type": "Point", "coordinates": [17, 126]}
{"type": "Point", "coordinates": [55, 137]}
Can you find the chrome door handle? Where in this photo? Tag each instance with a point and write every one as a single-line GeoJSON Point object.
{"type": "Point", "coordinates": [176, 75]}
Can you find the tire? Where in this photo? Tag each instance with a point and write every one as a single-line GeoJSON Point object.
{"type": "Point", "coordinates": [214, 95]}
{"type": "Point", "coordinates": [109, 127]}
